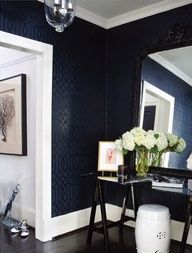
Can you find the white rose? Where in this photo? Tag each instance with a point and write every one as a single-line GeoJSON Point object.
{"type": "Point", "coordinates": [149, 142]}
{"type": "Point", "coordinates": [150, 133]}
{"type": "Point", "coordinates": [139, 139]}
{"type": "Point", "coordinates": [128, 145]}
{"type": "Point", "coordinates": [119, 144]}
{"type": "Point", "coordinates": [161, 142]}
{"type": "Point", "coordinates": [138, 131]}
{"type": "Point", "coordinates": [139, 135]}
{"type": "Point", "coordinates": [180, 146]}
{"type": "Point", "coordinates": [172, 139]}
{"type": "Point", "coordinates": [127, 135]}
{"type": "Point", "coordinates": [128, 141]}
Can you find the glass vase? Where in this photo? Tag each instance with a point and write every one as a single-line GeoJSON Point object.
{"type": "Point", "coordinates": [156, 159]}
{"type": "Point", "coordinates": [142, 165]}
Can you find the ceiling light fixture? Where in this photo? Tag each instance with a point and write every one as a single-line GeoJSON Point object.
{"type": "Point", "coordinates": [60, 13]}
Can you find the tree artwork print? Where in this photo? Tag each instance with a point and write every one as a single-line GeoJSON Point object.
{"type": "Point", "coordinates": [7, 113]}
{"type": "Point", "coordinates": [13, 116]}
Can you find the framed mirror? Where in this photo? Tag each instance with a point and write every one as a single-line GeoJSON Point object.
{"type": "Point", "coordinates": [163, 89]}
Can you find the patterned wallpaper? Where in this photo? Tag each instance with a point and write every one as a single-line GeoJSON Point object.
{"type": "Point", "coordinates": [92, 69]}
{"type": "Point", "coordinates": [78, 109]}
{"type": "Point", "coordinates": [124, 44]}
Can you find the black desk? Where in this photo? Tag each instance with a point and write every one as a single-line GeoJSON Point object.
{"type": "Point", "coordinates": [99, 198]}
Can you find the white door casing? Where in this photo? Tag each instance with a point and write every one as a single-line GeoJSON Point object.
{"type": "Point", "coordinates": [44, 53]}
{"type": "Point", "coordinates": [164, 110]}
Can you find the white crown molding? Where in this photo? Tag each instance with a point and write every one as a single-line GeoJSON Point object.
{"type": "Point", "coordinates": [91, 17]}
{"type": "Point", "coordinates": [128, 17]}
{"type": "Point", "coordinates": [145, 12]}
{"type": "Point", "coordinates": [17, 61]}
{"type": "Point", "coordinates": [176, 71]}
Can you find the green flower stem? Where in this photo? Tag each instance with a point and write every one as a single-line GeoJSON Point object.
{"type": "Point", "coordinates": [142, 162]}
{"type": "Point", "coordinates": [156, 158]}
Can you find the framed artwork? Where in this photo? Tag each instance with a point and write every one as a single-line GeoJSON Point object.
{"type": "Point", "coordinates": [109, 157]}
{"type": "Point", "coordinates": [13, 131]}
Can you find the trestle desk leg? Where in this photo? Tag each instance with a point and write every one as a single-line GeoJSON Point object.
{"type": "Point", "coordinates": [93, 211]}
{"type": "Point", "coordinates": [187, 226]}
{"type": "Point", "coordinates": [103, 214]}
{"type": "Point", "coordinates": [124, 206]}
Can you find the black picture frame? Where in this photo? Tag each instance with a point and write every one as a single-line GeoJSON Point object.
{"type": "Point", "coordinates": [13, 115]}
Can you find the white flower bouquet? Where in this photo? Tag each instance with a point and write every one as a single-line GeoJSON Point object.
{"type": "Point", "coordinates": [149, 146]}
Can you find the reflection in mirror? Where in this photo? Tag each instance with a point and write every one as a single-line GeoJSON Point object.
{"type": "Point", "coordinates": [167, 98]}
{"type": "Point", "coordinates": [156, 104]}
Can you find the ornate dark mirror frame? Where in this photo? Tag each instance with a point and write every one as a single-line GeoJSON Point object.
{"type": "Point", "coordinates": [177, 36]}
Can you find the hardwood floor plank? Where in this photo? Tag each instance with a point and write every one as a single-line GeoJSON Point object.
{"type": "Point", "coordinates": [73, 243]}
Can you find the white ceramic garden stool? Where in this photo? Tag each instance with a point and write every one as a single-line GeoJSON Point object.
{"type": "Point", "coordinates": [152, 231]}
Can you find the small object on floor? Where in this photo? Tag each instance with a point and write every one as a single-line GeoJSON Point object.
{"type": "Point", "coordinates": [24, 232]}
{"type": "Point", "coordinates": [15, 230]}
{"type": "Point", "coordinates": [21, 228]}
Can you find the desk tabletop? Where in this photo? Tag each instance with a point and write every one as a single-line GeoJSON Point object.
{"type": "Point", "coordinates": [122, 181]}
{"type": "Point", "coordinates": [135, 180]}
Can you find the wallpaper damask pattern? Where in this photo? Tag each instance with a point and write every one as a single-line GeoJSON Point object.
{"type": "Point", "coordinates": [78, 104]}
{"type": "Point", "coordinates": [124, 44]}
{"type": "Point", "coordinates": [82, 90]}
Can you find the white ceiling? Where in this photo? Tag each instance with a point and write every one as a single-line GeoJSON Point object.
{"type": "Point", "coordinates": [181, 58]}
{"type": "Point", "coordinates": [178, 61]}
{"type": "Point", "coordinates": [111, 13]}
{"type": "Point", "coordinates": [8, 55]}
{"type": "Point", "coordinates": [111, 8]}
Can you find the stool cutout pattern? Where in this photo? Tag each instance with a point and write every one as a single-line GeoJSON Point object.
{"type": "Point", "coordinates": [152, 231]}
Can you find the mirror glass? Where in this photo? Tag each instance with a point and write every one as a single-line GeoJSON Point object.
{"type": "Point", "coordinates": [167, 98]}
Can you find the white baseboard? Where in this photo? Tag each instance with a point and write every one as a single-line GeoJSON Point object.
{"type": "Point", "coordinates": [20, 212]}
{"type": "Point", "coordinates": [60, 224]}
{"type": "Point", "coordinates": [72, 221]}
{"type": "Point", "coordinates": [75, 220]}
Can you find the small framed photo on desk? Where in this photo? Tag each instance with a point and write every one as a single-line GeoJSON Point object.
{"type": "Point", "coordinates": [109, 157]}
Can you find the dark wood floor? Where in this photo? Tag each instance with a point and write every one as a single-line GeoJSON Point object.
{"type": "Point", "coordinates": [72, 243]}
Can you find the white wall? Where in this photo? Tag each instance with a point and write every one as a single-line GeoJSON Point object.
{"type": "Point", "coordinates": [162, 108]}
{"type": "Point", "coordinates": [14, 167]}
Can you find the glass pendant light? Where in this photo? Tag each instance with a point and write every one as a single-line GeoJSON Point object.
{"type": "Point", "coordinates": [60, 13]}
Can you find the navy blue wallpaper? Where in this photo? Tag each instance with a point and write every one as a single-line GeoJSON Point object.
{"type": "Point", "coordinates": [160, 77]}
{"type": "Point", "coordinates": [78, 120]}
{"type": "Point", "coordinates": [92, 69]}
{"type": "Point", "coordinates": [124, 44]}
